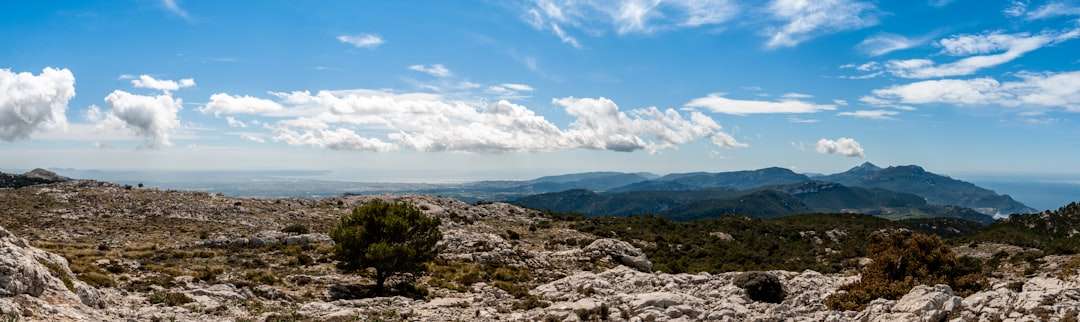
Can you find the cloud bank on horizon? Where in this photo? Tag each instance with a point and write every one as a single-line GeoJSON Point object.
{"type": "Point", "coordinates": [891, 75]}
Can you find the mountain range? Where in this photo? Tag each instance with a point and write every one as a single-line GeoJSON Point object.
{"type": "Point", "coordinates": [897, 192]}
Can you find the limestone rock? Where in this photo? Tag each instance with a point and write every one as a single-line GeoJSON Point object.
{"type": "Point", "coordinates": [622, 252]}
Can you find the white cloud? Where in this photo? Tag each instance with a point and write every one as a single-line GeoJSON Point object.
{"type": "Point", "coordinates": [221, 104]}
{"type": "Point", "coordinates": [719, 104]}
{"type": "Point", "coordinates": [940, 3]}
{"type": "Point", "coordinates": [871, 114]}
{"type": "Point", "coordinates": [233, 122]}
{"type": "Point", "coordinates": [437, 70]}
{"type": "Point", "coordinates": [803, 19]}
{"type": "Point", "coordinates": [30, 103]}
{"type": "Point", "coordinates": [598, 124]}
{"type": "Point", "coordinates": [1053, 9]}
{"type": "Point", "coordinates": [1016, 8]}
{"type": "Point", "coordinates": [564, 37]}
{"type": "Point", "coordinates": [1044, 90]}
{"type": "Point", "coordinates": [152, 117]}
{"type": "Point", "coordinates": [802, 120]}
{"type": "Point", "coordinates": [165, 85]}
{"type": "Point", "coordinates": [362, 40]}
{"type": "Point", "coordinates": [376, 120]}
{"type": "Point", "coordinates": [252, 138]}
{"type": "Point", "coordinates": [625, 17]}
{"type": "Point", "coordinates": [882, 44]}
{"type": "Point", "coordinates": [989, 50]}
{"type": "Point", "coordinates": [796, 95]}
{"type": "Point", "coordinates": [847, 147]}
{"type": "Point", "coordinates": [174, 7]}
{"type": "Point", "coordinates": [510, 90]}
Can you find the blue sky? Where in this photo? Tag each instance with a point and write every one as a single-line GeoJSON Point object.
{"type": "Point", "coordinates": [537, 87]}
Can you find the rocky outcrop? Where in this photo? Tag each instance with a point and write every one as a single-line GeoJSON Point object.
{"type": "Point", "coordinates": [38, 285]}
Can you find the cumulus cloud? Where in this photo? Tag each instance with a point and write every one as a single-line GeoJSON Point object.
{"type": "Point", "coordinates": [625, 17]}
{"type": "Point", "coordinates": [334, 139]}
{"type": "Point", "coordinates": [599, 124]}
{"type": "Point", "coordinates": [223, 104]}
{"type": "Point", "coordinates": [362, 40]}
{"type": "Point", "coordinates": [847, 147]}
{"type": "Point", "coordinates": [152, 117]}
{"type": "Point", "coordinates": [803, 20]}
{"type": "Point", "coordinates": [376, 120]}
{"type": "Point", "coordinates": [165, 85]}
{"type": "Point", "coordinates": [871, 114]}
{"type": "Point", "coordinates": [720, 104]}
{"type": "Point", "coordinates": [1045, 90]}
{"type": "Point", "coordinates": [437, 70]}
{"type": "Point", "coordinates": [31, 103]}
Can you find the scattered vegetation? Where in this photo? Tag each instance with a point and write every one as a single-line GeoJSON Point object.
{"type": "Point", "coordinates": [390, 237]}
{"type": "Point", "coordinates": [902, 260]}
{"type": "Point", "coordinates": [1050, 231]}
{"type": "Point", "coordinates": [824, 243]}
{"type": "Point", "coordinates": [169, 298]}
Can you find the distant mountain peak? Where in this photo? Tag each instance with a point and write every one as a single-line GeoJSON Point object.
{"type": "Point", "coordinates": [909, 168]}
{"type": "Point", "coordinates": [865, 167]}
{"type": "Point", "coordinates": [43, 174]}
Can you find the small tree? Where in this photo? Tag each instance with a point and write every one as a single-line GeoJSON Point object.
{"type": "Point", "coordinates": [389, 237]}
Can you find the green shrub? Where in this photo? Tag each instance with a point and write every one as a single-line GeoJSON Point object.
{"type": "Point", "coordinates": [389, 237]}
{"type": "Point", "coordinates": [298, 229]}
{"type": "Point", "coordinates": [902, 260]}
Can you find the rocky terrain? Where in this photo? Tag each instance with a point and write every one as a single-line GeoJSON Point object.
{"type": "Point", "coordinates": [91, 251]}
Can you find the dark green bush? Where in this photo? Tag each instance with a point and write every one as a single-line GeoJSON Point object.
{"type": "Point", "coordinates": [389, 237]}
{"type": "Point", "coordinates": [902, 260]}
{"type": "Point", "coordinates": [298, 229]}
{"type": "Point", "coordinates": [761, 287]}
